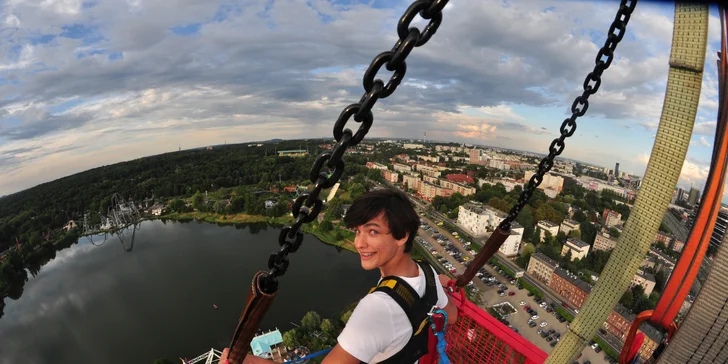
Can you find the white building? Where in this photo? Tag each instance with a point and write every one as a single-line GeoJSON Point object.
{"type": "Point", "coordinates": [568, 225]}
{"type": "Point", "coordinates": [646, 280]}
{"type": "Point", "coordinates": [398, 167]}
{"type": "Point", "coordinates": [604, 242]}
{"type": "Point", "coordinates": [549, 226]}
{"type": "Point", "coordinates": [512, 244]}
{"type": "Point", "coordinates": [579, 249]}
{"type": "Point", "coordinates": [478, 219]}
{"type": "Point", "coordinates": [549, 181]}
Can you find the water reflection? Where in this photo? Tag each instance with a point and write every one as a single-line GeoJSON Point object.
{"type": "Point", "coordinates": [153, 298]}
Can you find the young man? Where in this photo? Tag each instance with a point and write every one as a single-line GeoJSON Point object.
{"type": "Point", "coordinates": [379, 329]}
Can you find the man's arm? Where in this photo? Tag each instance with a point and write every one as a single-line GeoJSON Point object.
{"type": "Point", "coordinates": [450, 308]}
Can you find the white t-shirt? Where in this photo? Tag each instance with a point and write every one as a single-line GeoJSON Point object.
{"type": "Point", "coordinates": [378, 327]}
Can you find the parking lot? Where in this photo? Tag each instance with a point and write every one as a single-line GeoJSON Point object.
{"type": "Point", "coordinates": [497, 288]}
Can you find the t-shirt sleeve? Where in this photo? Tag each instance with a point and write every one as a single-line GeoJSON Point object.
{"type": "Point", "coordinates": [442, 299]}
{"type": "Point", "coordinates": [370, 328]}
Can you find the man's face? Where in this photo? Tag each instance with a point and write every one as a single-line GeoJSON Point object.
{"type": "Point", "coordinates": [375, 243]}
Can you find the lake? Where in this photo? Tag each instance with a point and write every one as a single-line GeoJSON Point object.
{"type": "Point", "coordinates": [114, 302]}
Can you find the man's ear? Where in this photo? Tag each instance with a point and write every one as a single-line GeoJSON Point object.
{"type": "Point", "coordinates": [403, 241]}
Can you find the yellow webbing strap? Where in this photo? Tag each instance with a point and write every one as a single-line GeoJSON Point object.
{"type": "Point", "coordinates": [668, 154]}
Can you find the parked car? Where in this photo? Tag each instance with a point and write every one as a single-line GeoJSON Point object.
{"type": "Point", "coordinates": [511, 293]}
{"type": "Point", "coordinates": [543, 324]}
{"type": "Point", "coordinates": [521, 303]}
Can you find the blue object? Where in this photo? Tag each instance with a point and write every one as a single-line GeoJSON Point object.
{"type": "Point", "coordinates": [262, 343]}
{"type": "Point", "coordinates": [441, 343]}
{"type": "Point", "coordinates": [309, 356]}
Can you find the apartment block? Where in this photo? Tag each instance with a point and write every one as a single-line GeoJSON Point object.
{"type": "Point", "coordinates": [579, 248]}
{"type": "Point", "coordinates": [541, 267]}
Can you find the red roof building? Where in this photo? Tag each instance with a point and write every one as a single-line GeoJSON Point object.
{"type": "Point", "coordinates": [459, 178]}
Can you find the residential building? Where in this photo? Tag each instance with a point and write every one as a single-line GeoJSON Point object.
{"type": "Point", "coordinates": [390, 176]}
{"type": "Point", "coordinates": [646, 280]}
{"type": "Point", "coordinates": [372, 165]}
{"type": "Point", "coordinates": [663, 238]}
{"type": "Point", "coordinates": [653, 337]}
{"type": "Point", "coordinates": [545, 226]}
{"type": "Point", "coordinates": [512, 245]}
{"type": "Point", "coordinates": [412, 182]}
{"type": "Point", "coordinates": [431, 179]}
{"type": "Point", "coordinates": [412, 146]}
{"type": "Point", "coordinates": [604, 242]}
{"type": "Point", "coordinates": [398, 167]}
{"type": "Point", "coordinates": [611, 218]}
{"type": "Point", "coordinates": [661, 261]}
{"type": "Point", "coordinates": [541, 267]}
{"type": "Point", "coordinates": [573, 289]}
{"type": "Point", "coordinates": [457, 187]}
{"type": "Point", "coordinates": [721, 225]}
{"type": "Point", "coordinates": [476, 156]}
{"type": "Point", "coordinates": [429, 190]}
{"type": "Point", "coordinates": [619, 321]}
{"type": "Point", "coordinates": [568, 225]}
{"type": "Point", "coordinates": [677, 245]}
{"type": "Point", "coordinates": [478, 219]}
{"type": "Point", "coordinates": [429, 158]}
{"type": "Point", "coordinates": [549, 181]}
{"type": "Point", "coordinates": [432, 171]}
{"type": "Point", "coordinates": [459, 177]}
{"type": "Point", "coordinates": [579, 248]}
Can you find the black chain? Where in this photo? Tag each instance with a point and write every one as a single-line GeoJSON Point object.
{"type": "Point", "coordinates": [307, 206]}
{"type": "Point", "coordinates": [578, 108]}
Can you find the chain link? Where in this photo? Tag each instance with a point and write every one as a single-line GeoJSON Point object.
{"type": "Point", "coordinates": [578, 108]}
{"type": "Point", "coordinates": [308, 205]}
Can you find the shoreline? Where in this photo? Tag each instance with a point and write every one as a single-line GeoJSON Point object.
{"type": "Point", "coordinates": [213, 218]}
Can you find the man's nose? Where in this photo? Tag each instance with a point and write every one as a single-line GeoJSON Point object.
{"type": "Point", "coordinates": [360, 241]}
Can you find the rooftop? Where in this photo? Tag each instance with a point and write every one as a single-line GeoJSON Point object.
{"type": "Point", "coordinates": [262, 343]}
{"type": "Point", "coordinates": [578, 283]}
{"type": "Point", "coordinates": [547, 223]}
{"type": "Point", "coordinates": [651, 332]}
{"type": "Point", "coordinates": [577, 242]}
{"type": "Point", "coordinates": [624, 312]}
{"type": "Point", "coordinates": [571, 222]}
{"type": "Point", "coordinates": [647, 276]}
{"type": "Point", "coordinates": [545, 259]}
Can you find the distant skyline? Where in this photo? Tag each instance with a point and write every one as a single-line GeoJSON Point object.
{"type": "Point", "coordinates": [88, 83]}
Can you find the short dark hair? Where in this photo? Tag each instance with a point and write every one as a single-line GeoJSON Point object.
{"type": "Point", "coordinates": [398, 211]}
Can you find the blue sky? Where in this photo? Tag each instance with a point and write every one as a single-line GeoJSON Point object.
{"type": "Point", "coordinates": [88, 83]}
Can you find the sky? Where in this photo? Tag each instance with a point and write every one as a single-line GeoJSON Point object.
{"type": "Point", "coordinates": [91, 83]}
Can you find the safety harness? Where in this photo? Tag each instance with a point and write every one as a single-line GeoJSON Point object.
{"type": "Point", "coordinates": [417, 309]}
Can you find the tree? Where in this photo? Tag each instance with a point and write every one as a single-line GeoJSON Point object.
{"type": "Point", "coordinates": [345, 317]}
{"type": "Point", "coordinates": [326, 225]}
{"type": "Point", "coordinates": [575, 234]}
{"type": "Point", "coordinates": [567, 256]}
{"type": "Point", "coordinates": [536, 238]}
{"type": "Point", "coordinates": [356, 190]}
{"type": "Point", "coordinates": [290, 339]}
{"type": "Point", "coordinates": [327, 326]}
{"type": "Point", "coordinates": [614, 233]}
{"type": "Point", "coordinates": [311, 321]}
{"type": "Point", "coordinates": [197, 200]}
{"type": "Point", "coordinates": [588, 232]}
{"type": "Point", "coordinates": [528, 249]}
{"type": "Point", "coordinates": [627, 299]}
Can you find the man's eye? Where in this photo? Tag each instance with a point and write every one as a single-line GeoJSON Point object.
{"type": "Point", "coordinates": [373, 232]}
